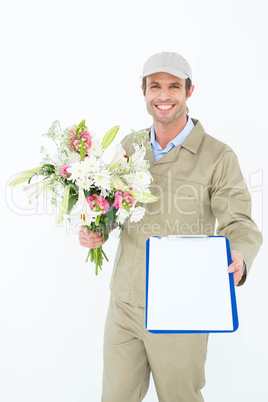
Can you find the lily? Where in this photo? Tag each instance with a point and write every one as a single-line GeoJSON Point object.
{"type": "Point", "coordinates": [34, 190]}
{"type": "Point", "coordinates": [82, 213]}
{"type": "Point", "coordinates": [120, 158]}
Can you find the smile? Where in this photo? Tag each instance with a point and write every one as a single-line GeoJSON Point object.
{"type": "Point", "coordinates": [164, 107]}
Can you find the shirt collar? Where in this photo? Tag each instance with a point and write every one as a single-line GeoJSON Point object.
{"type": "Point", "coordinates": [178, 140]}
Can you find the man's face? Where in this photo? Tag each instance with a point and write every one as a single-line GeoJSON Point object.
{"type": "Point", "coordinates": [166, 97]}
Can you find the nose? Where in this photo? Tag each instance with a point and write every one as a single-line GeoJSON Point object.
{"type": "Point", "coordinates": [164, 94]}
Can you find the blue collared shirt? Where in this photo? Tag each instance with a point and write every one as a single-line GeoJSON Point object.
{"type": "Point", "coordinates": [178, 140]}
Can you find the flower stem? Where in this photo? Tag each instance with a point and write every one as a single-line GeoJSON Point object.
{"type": "Point", "coordinates": [88, 254]}
{"type": "Point", "coordinates": [96, 255]}
{"type": "Point", "coordinates": [105, 256]}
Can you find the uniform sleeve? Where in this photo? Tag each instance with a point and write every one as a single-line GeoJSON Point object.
{"type": "Point", "coordinates": [231, 205]}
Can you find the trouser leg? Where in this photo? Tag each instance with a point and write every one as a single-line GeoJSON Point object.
{"type": "Point", "coordinates": [177, 362]}
{"type": "Point", "coordinates": [126, 370]}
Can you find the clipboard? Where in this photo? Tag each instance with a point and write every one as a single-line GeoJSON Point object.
{"type": "Point", "coordinates": [188, 287]}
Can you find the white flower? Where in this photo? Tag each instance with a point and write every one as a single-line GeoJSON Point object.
{"type": "Point", "coordinates": [96, 148]}
{"type": "Point", "coordinates": [92, 163]}
{"type": "Point", "coordinates": [77, 170]}
{"type": "Point", "coordinates": [139, 180]}
{"type": "Point", "coordinates": [34, 190]}
{"type": "Point", "coordinates": [73, 157]}
{"type": "Point", "coordinates": [122, 215]}
{"type": "Point", "coordinates": [81, 212]}
{"type": "Point", "coordinates": [137, 214]}
{"type": "Point", "coordinates": [104, 193]}
{"type": "Point", "coordinates": [102, 180]}
{"type": "Point", "coordinates": [143, 179]}
{"type": "Point", "coordinates": [84, 182]}
{"type": "Point", "coordinates": [130, 179]}
{"type": "Point", "coordinates": [138, 157]}
{"type": "Point", "coordinates": [119, 158]}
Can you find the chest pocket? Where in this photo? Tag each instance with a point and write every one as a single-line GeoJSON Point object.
{"type": "Point", "coordinates": [183, 207]}
{"type": "Point", "coordinates": [183, 197]}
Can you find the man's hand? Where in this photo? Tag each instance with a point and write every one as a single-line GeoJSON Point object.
{"type": "Point", "coordinates": [90, 239]}
{"type": "Point", "coordinates": [237, 266]}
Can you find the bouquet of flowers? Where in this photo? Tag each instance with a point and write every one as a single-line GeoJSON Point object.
{"type": "Point", "coordinates": [96, 194]}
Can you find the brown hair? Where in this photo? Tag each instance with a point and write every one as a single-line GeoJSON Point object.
{"type": "Point", "coordinates": [188, 84]}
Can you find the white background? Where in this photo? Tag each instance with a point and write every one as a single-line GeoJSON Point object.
{"type": "Point", "coordinates": [70, 60]}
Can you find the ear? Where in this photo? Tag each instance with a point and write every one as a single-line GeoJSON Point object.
{"type": "Point", "coordinates": [142, 90]}
{"type": "Point", "coordinates": [191, 90]}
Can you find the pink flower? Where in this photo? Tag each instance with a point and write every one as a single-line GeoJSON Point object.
{"type": "Point", "coordinates": [75, 144]}
{"type": "Point", "coordinates": [125, 201]}
{"type": "Point", "coordinates": [98, 203]}
{"type": "Point", "coordinates": [63, 171]}
{"type": "Point", "coordinates": [129, 199]}
{"type": "Point", "coordinates": [73, 129]}
{"type": "Point", "coordinates": [86, 137]}
{"type": "Point", "coordinates": [118, 199]}
{"type": "Point", "coordinates": [80, 140]}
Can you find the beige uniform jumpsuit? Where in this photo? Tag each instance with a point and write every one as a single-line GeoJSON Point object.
{"type": "Point", "coordinates": [197, 182]}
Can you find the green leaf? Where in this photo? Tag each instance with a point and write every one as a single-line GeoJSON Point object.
{"type": "Point", "coordinates": [104, 230]}
{"type": "Point", "coordinates": [26, 175]}
{"type": "Point", "coordinates": [118, 184]}
{"type": "Point", "coordinates": [49, 167]}
{"type": "Point", "coordinates": [143, 197]}
{"type": "Point", "coordinates": [47, 170]}
{"type": "Point", "coordinates": [109, 137]}
{"type": "Point", "coordinates": [64, 205]}
{"type": "Point", "coordinates": [81, 127]}
{"type": "Point", "coordinates": [72, 200]}
{"type": "Point", "coordinates": [110, 216]}
{"type": "Point", "coordinates": [97, 221]}
{"type": "Point", "coordinates": [35, 174]}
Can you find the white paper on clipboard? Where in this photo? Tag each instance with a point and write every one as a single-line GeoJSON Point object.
{"type": "Point", "coordinates": [188, 288]}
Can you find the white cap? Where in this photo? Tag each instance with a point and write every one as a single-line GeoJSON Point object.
{"type": "Point", "coordinates": [167, 62]}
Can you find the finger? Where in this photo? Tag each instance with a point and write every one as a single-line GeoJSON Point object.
{"type": "Point", "coordinates": [237, 262]}
{"type": "Point", "coordinates": [93, 241]}
{"type": "Point", "coordinates": [237, 257]}
{"type": "Point", "coordinates": [95, 234]}
{"type": "Point", "coordinates": [87, 232]}
{"type": "Point", "coordinates": [83, 231]}
{"type": "Point", "coordinates": [237, 277]}
{"type": "Point", "coordinates": [97, 241]}
{"type": "Point", "coordinates": [92, 235]}
{"type": "Point", "coordinates": [82, 235]}
{"type": "Point", "coordinates": [85, 242]}
{"type": "Point", "coordinates": [232, 268]}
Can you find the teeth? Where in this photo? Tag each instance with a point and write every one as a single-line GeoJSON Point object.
{"type": "Point", "coordinates": [164, 107]}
